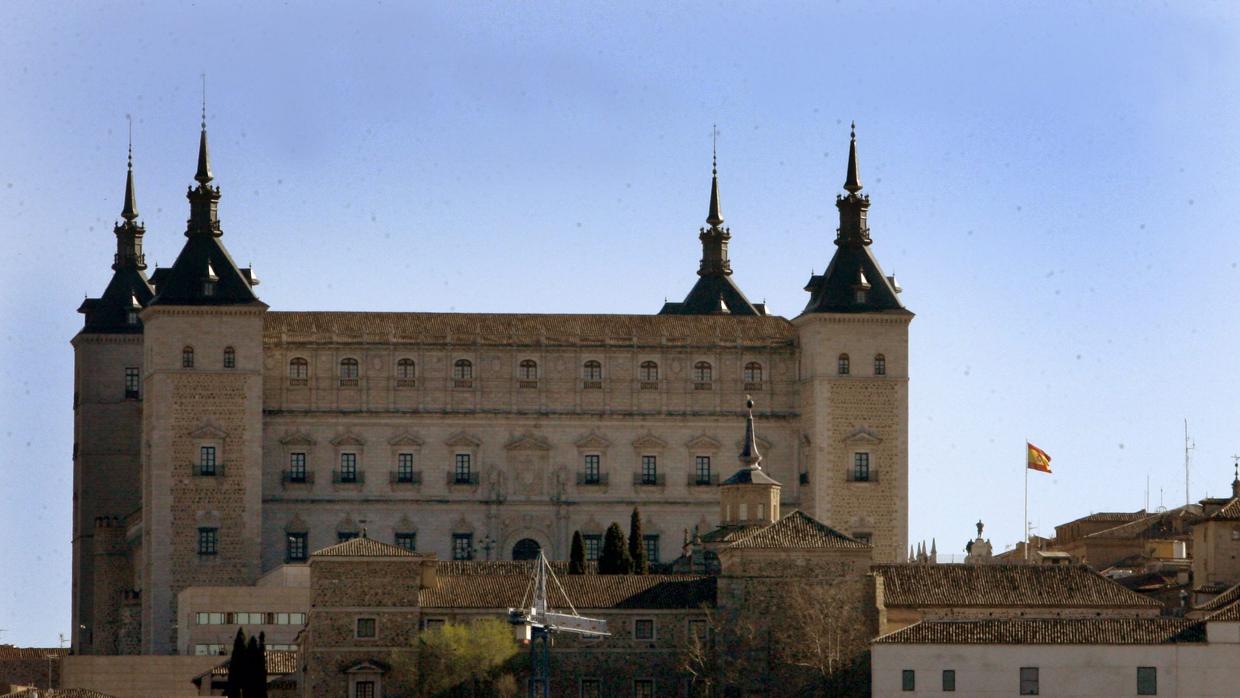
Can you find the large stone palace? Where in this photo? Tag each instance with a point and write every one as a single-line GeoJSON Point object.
{"type": "Point", "coordinates": [216, 440]}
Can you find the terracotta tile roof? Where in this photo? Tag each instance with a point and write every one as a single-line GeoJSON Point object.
{"type": "Point", "coordinates": [364, 547]}
{"type": "Point", "coordinates": [727, 534]}
{"type": "Point", "coordinates": [503, 568]}
{"type": "Point", "coordinates": [593, 591]}
{"type": "Point", "coordinates": [1044, 586]}
{"type": "Point", "coordinates": [1229, 614]}
{"type": "Point", "coordinates": [552, 330]}
{"type": "Point", "coordinates": [1049, 631]}
{"type": "Point", "coordinates": [1230, 512]}
{"type": "Point", "coordinates": [278, 662]}
{"type": "Point", "coordinates": [1226, 598]}
{"type": "Point", "coordinates": [10, 652]}
{"type": "Point", "coordinates": [1116, 516]}
{"type": "Point", "coordinates": [797, 530]}
{"type": "Point", "coordinates": [57, 693]}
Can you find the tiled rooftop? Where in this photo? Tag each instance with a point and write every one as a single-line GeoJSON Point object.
{"type": "Point", "coordinates": [1226, 598]}
{"type": "Point", "coordinates": [1049, 631]}
{"type": "Point", "coordinates": [11, 652]}
{"type": "Point", "coordinates": [1003, 586]}
{"type": "Point", "coordinates": [364, 547]}
{"type": "Point", "coordinates": [57, 693]}
{"type": "Point", "coordinates": [278, 662]}
{"type": "Point", "coordinates": [586, 591]}
{"type": "Point", "coordinates": [796, 530]}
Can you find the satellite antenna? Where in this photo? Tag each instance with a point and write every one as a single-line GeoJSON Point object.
{"type": "Point", "coordinates": [535, 624]}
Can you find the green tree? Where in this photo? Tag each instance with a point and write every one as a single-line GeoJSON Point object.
{"type": "Point", "coordinates": [615, 557]}
{"type": "Point", "coordinates": [236, 667]}
{"type": "Point", "coordinates": [577, 556]}
{"type": "Point", "coordinates": [637, 544]}
{"type": "Point", "coordinates": [466, 659]}
{"type": "Point", "coordinates": [254, 679]}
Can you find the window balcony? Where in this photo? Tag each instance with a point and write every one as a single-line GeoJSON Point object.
{"type": "Point", "coordinates": [871, 476]}
{"type": "Point", "coordinates": [647, 480]}
{"type": "Point", "coordinates": [462, 383]}
{"type": "Point", "coordinates": [527, 385]}
{"type": "Point", "coordinates": [288, 477]}
{"type": "Point", "coordinates": [409, 478]}
{"type": "Point", "coordinates": [132, 395]}
{"type": "Point", "coordinates": [592, 479]}
{"type": "Point", "coordinates": [648, 385]}
{"type": "Point", "coordinates": [455, 478]}
{"type": "Point", "coordinates": [753, 387]}
{"type": "Point", "coordinates": [343, 478]}
{"type": "Point", "coordinates": [703, 386]}
{"type": "Point", "coordinates": [591, 385]}
{"type": "Point", "coordinates": [406, 383]}
{"type": "Point", "coordinates": [298, 382]}
{"type": "Point", "coordinates": [703, 480]}
{"type": "Point", "coordinates": [200, 470]}
{"type": "Point", "coordinates": [348, 382]}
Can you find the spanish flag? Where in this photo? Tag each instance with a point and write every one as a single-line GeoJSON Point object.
{"type": "Point", "coordinates": [1038, 460]}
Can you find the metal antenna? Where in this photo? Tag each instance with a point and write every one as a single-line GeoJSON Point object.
{"type": "Point", "coordinates": [714, 148]}
{"type": "Point", "coordinates": [129, 118]}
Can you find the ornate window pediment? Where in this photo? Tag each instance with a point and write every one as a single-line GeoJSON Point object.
{"type": "Point", "coordinates": [703, 442]}
{"type": "Point", "coordinates": [862, 436]}
{"type": "Point", "coordinates": [462, 525]}
{"type": "Point", "coordinates": [296, 525]}
{"type": "Point", "coordinates": [209, 431]}
{"type": "Point", "coordinates": [649, 442]}
{"type": "Point", "coordinates": [528, 442]}
{"type": "Point", "coordinates": [461, 439]}
{"type": "Point", "coordinates": [592, 441]}
{"type": "Point", "coordinates": [367, 666]}
{"type": "Point", "coordinates": [404, 439]}
{"type": "Point", "coordinates": [297, 438]}
{"type": "Point", "coordinates": [348, 439]}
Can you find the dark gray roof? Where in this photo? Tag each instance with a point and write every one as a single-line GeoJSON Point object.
{"type": "Point", "coordinates": [750, 476]}
{"type": "Point", "coordinates": [834, 291]}
{"type": "Point", "coordinates": [109, 313]}
{"type": "Point", "coordinates": [714, 294]}
{"type": "Point", "coordinates": [182, 284]}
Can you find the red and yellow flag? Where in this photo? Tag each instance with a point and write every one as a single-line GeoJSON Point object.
{"type": "Point", "coordinates": [1038, 460]}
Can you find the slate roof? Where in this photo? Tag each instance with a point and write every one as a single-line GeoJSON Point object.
{"type": "Point", "coordinates": [1046, 586]}
{"type": "Point", "coordinates": [714, 294]}
{"type": "Point", "coordinates": [109, 313]}
{"type": "Point", "coordinates": [750, 476]}
{"type": "Point", "coordinates": [181, 284]}
{"type": "Point", "coordinates": [1049, 631]}
{"type": "Point", "coordinates": [649, 591]}
{"type": "Point", "coordinates": [364, 547]}
{"type": "Point", "coordinates": [531, 329]}
{"type": "Point", "coordinates": [833, 292]}
{"type": "Point", "coordinates": [797, 530]}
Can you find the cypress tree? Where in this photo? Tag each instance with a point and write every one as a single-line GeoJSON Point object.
{"type": "Point", "coordinates": [577, 556]}
{"type": "Point", "coordinates": [615, 556]}
{"type": "Point", "coordinates": [236, 667]}
{"type": "Point", "coordinates": [260, 667]}
{"type": "Point", "coordinates": [637, 544]}
{"type": "Point", "coordinates": [255, 666]}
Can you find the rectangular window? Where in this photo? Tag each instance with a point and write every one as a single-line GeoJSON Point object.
{"type": "Point", "coordinates": [949, 680]}
{"type": "Point", "coordinates": [342, 536]}
{"type": "Point", "coordinates": [701, 467]}
{"type": "Point", "coordinates": [650, 470]}
{"type": "Point", "coordinates": [462, 546]}
{"type": "Point", "coordinates": [643, 629]}
{"type": "Point", "coordinates": [590, 688]}
{"type": "Point", "coordinates": [408, 541]}
{"type": "Point", "coordinates": [206, 460]}
{"type": "Point", "coordinates": [1147, 681]}
{"type": "Point", "coordinates": [592, 469]}
{"type": "Point", "coordinates": [131, 383]}
{"type": "Point", "coordinates": [208, 650]}
{"type": "Point", "coordinates": [1029, 681]}
{"type": "Point", "coordinates": [643, 688]}
{"type": "Point", "coordinates": [208, 540]}
{"type": "Point", "coordinates": [296, 547]}
{"type": "Point", "coordinates": [908, 680]}
{"type": "Point", "coordinates": [652, 547]}
{"type": "Point", "coordinates": [404, 467]}
{"type": "Point", "coordinates": [861, 467]}
{"type": "Point", "coordinates": [365, 628]}
{"type": "Point", "coordinates": [866, 538]}
{"type": "Point", "coordinates": [594, 544]}
{"type": "Point", "coordinates": [297, 467]}
{"type": "Point", "coordinates": [460, 472]}
{"type": "Point", "coordinates": [348, 467]}
{"type": "Point", "coordinates": [210, 618]}
{"type": "Point", "coordinates": [364, 689]}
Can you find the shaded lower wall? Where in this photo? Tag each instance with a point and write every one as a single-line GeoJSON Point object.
{"type": "Point", "coordinates": [144, 676]}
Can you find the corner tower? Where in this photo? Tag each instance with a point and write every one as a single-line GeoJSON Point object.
{"type": "Point", "coordinates": [853, 337]}
{"type": "Point", "coordinates": [714, 293]}
{"type": "Point", "coordinates": [107, 424]}
{"type": "Point", "coordinates": [202, 428]}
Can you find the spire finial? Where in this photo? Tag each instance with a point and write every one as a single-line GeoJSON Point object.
{"type": "Point", "coordinates": [852, 183]}
{"type": "Point", "coordinates": [750, 456]}
{"type": "Point", "coordinates": [204, 159]}
{"type": "Point", "coordinates": [713, 217]}
{"type": "Point", "coordinates": [130, 210]}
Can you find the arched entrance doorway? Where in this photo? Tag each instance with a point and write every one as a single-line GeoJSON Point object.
{"type": "Point", "coordinates": [526, 549]}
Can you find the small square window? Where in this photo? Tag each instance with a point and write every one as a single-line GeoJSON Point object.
{"type": "Point", "coordinates": [949, 680]}
{"type": "Point", "coordinates": [208, 541]}
{"type": "Point", "coordinates": [408, 541]}
{"type": "Point", "coordinates": [1029, 681]}
{"type": "Point", "coordinates": [342, 536]}
{"type": "Point", "coordinates": [594, 543]}
{"type": "Point", "coordinates": [1147, 681]}
{"type": "Point", "coordinates": [908, 680]}
{"type": "Point", "coordinates": [643, 629]}
{"type": "Point", "coordinates": [365, 628]}
{"type": "Point", "coordinates": [462, 546]}
{"type": "Point", "coordinates": [296, 547]}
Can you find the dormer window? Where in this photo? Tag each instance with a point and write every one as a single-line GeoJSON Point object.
{"type": "Point", "coordinates": [859, 297]}
{"type": "Point", "coordinates": [133, 317]}
{"type": "Point", "coordinates": [208, 288]}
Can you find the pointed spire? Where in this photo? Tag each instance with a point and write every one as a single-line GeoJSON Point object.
{"type": "Point", "coordinates": [204, 158]}
{"type": "Point", "coordinates": [749, 451]}
{"type": "Point", "coordinates": [714, 217]}
{"type": "Point", "coordinates": [130, 211]}
{"type": "Point", "coordinates": [852, 184]}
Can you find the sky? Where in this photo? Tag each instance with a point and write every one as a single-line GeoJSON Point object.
{"type": "Point", "coordinates": [1055, 185]}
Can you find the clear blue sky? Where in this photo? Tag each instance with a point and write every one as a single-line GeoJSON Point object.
{"type": "Point", "coordinates": [1054, 184]}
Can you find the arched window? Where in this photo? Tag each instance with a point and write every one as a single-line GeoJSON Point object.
{"type": "Point", "coordinates": [348, 369]}
{"type": "Point", "coordinates": [404, 369]}
{"type": "Point", "coordinates": [702, 372]}
{"type": "Point", "coordinates": [592, 371]}
{"type": "Point", "coordinates": [843, 364]}
{"type": "Point", "coordinates": [880, 365]}
{"type": "Point", "coordinates": [298, 369]}
{"type": "Point", "coordinates": [649, 371]}
{"type": "Point", "coordinates": [528, 370]}
{"type": "Point", "coordinates": [230, 357]}
{"type": "Point", "coordinates": [187, 357]}
{"type": "Point", "coordinates": [463, 370]}
{"type": "Point", "coordinates": [753, 372]}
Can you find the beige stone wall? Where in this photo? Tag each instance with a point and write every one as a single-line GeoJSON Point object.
{"type": "Point", "coordinates": [135, 677]}
{"type": "Point", "coordinates": [248, 599]}
{"type": "Point", "coordinates": [106, 476]}
{"type": "Point", "coordinates": [204, 405]}
{"type": "Point", "coordinates": [1216, 552]}
{"type": "Point", "coordinates": [858, 412]}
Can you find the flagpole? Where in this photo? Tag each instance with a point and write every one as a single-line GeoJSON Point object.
{"type": "Point", "coordinates": [1026, 500]}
